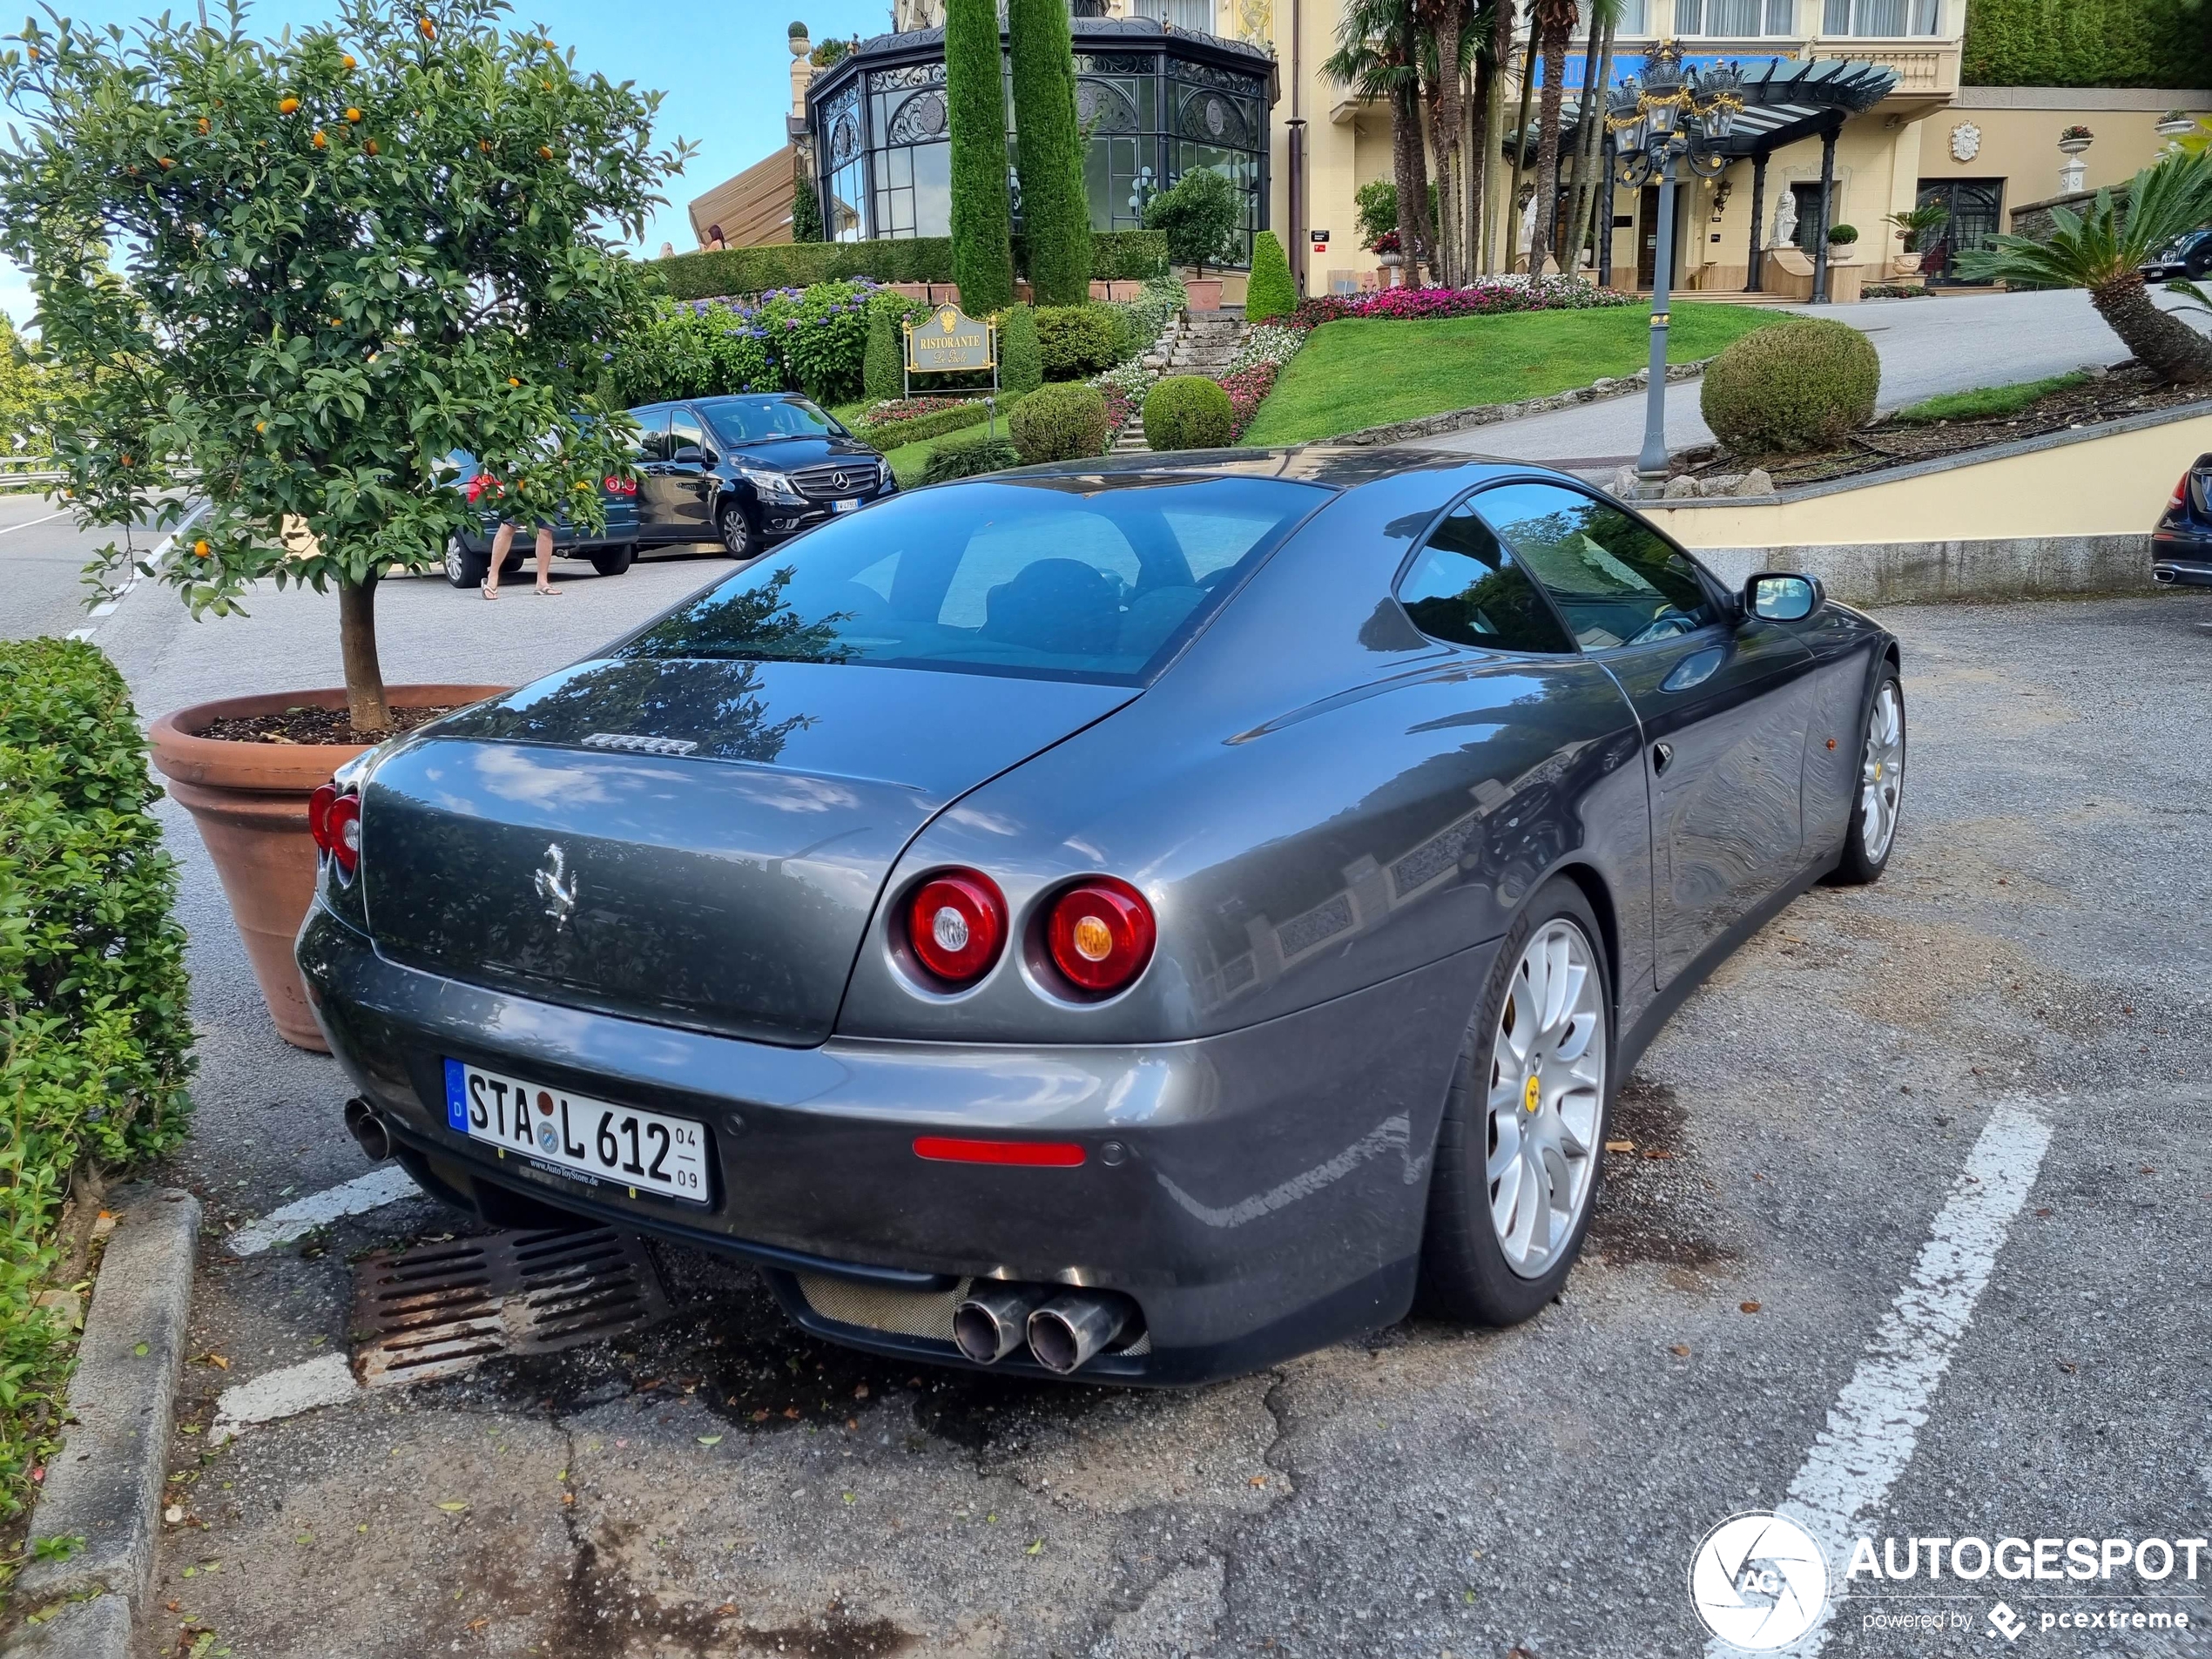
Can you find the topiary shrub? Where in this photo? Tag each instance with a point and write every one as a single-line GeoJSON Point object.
{"type": "Point", "coordinates": [883, 371]}
{"type": "Point", "coordinates": [1842, 235]}
{"type": "Point", "coordinates": [981, 214]}
{"type": "Point", "coordinates": [1189, 412]}
{"type": "Point", "coordinates": [1788, 389]}
{"type": "Point", "coordinates": [1077, 340]}
{"type": "Point", "coordinates": [1055, 211]}
{"type": "Point", "coordinates": [1272, 293]}
{"type": "Point", "coordinates": [1021, 359]}
{"type": "Point", "coordinates": [1059, 423]}
{"type": "Point", "coordinates": [966, 458]}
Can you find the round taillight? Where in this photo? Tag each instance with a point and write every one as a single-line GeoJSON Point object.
{"type": "Point", "coordinates": [343, 825]}
{"type": "Point", "coordinates": [613, 484]}
{"type": "Point", "coordinates": [956, 925]}
{"type": "Point", "coordinates": [1101, 933]}
{"type": "Point", "coordinates": [318, 805]}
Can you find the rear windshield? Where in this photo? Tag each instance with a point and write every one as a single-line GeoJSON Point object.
{"type": "Point", "coordinates": [755, 421]}
{"type": "Point", "coordinates": [1059, 579]}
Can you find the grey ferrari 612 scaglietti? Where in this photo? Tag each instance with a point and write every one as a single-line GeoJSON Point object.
{"type": "Point", "coordinates": [1138, 918]}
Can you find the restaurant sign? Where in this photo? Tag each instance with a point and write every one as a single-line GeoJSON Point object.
{"type": "Point", "coordinates": [949, 339]}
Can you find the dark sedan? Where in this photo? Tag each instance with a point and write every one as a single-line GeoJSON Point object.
{"type": "Point", "coordinates": [469, 552]}
{"type": "Point", "coordinates": [2180, 545]}
{"type": "Point", "coordinates": [748, 471]}
{"type": "Point", "coordinates": [1142, 918]}
{"type": "Point", "coordinates": [2190, 258]}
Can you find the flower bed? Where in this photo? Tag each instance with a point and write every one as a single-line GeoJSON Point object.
{"type": "Point", "coordinates": [1247, 389]}
{"type": "Point", "coordinates": [1493, 296]}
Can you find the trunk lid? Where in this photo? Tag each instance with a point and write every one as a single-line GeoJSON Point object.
{"type": "Point", "coordinates": [694, 842]}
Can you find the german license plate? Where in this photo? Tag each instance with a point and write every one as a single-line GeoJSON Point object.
{"type": "Point", "coordinates": [594, 1141]}
{"type": "Point", "coordinates": [852, 506]}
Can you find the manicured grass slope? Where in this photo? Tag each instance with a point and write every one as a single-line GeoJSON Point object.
{"type": "Point", "coordinates": [1360, 372]}
{"type": "Point", "coordinates": [1987, 402]}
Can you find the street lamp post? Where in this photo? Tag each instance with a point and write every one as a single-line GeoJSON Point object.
{"type": "Point", "coordinates": [1673, 118]}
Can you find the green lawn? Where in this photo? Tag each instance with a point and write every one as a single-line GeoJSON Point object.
{"type": "Point", "coordinates": [1360, 372]}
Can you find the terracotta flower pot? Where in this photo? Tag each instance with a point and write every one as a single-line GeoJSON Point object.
{"type": "Point", "coordinates": [1203, 295]}
{"type": "Point", "coordinates": [250, 802]}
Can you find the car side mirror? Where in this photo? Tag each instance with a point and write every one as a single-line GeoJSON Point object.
{"type": "Point", "coordinates": [1778, 596]}
{"type": "Point", "coordinates": [688, 456]}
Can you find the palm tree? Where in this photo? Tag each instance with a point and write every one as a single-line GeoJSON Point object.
{"type": "Point", "coordinates": [1377, 58]}
{"type": "Point", "coordinates": [1555, 23]}
{"type": "Point", "coordinates": [1448, 50]}
{"type": "Point", "coordinates": [2103, 251]}
{"type": "Point", "coordinates": [1584, 186]}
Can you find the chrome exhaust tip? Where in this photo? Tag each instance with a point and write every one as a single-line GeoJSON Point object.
{"type": "Point", "coordinates": [362, 1124]}
{"type": "Point", "coordinates": [1068, 1330]}
{"type": "Point", "coordinates": [992, 1321]}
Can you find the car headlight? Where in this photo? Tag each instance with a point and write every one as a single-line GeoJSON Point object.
{"type": "Point", "coordinates": [774, 485]}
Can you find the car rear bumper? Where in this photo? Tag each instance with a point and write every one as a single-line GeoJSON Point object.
{"type": "Point", "coordinates": [2181, 560]}
{"type": "Point", "coordinates": [1257, 1193]}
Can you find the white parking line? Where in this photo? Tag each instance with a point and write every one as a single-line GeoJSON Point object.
{"type": "Point", "coordinates": [302, 1216]}
{"type": "Point", "coordinates": [327, 1380]}
{"type": "Point", "coordinates": [106, 608]}
{"type": "Point", "coordinates": [28, 523]}
{"type": "Point", "coordinates": [1875, 1421]}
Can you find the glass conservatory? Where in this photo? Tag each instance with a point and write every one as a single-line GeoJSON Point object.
{"type": "Point", "coordinates": [1155, 100]}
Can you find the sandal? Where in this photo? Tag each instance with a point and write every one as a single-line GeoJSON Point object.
{"type": "Point", "coordinates": [487, 591]}
{"type": "Point", "coordinates": [548, 592]}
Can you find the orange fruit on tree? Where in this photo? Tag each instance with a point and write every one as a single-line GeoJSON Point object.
{"type": "Point", "coordinates": [429, 29]}
{"type": "Point", "coordinates": [203, 127]}
{"type": "Point", "coordinates": [165, 163]}
{"type": "Point", "coordinates": [370, 146]}
{"type": "Point", "coordinates": [200, 549]}
{"type": "Point", "coordinates": [288, 106]}
{"type": "Point", "coordinates": [352, 114]}
{"type": "Point", "coordinates": [321, 143]}
{"type": "Point", "coordinates": [545, 152]}
{"type": "Point", "coordinates": [346, 62]}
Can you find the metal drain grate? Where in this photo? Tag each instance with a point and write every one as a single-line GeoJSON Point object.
{"type": "Point", "coordinates": [439, 1310]}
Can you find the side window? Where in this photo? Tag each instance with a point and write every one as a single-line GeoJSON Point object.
{"type": "Point", "coordinates": [1465, 587]}
{"type": "Point", "coordinates": [684, 428]}
{"type": "Point", "coordinates": [1613, 576]}
{"type": "Point", "coordinates": [652, 434]}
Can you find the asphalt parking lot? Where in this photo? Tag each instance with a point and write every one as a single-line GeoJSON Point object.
{"type": "Point", "coordinates": [2023, 994]}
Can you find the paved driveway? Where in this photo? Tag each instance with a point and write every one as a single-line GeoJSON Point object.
{"type": "Point", "coordinates": [42, 556]}
{"type": "Point", "coordinates": [2020, 1008]}
{"type": "Point", "coordinates": [1926, 347]}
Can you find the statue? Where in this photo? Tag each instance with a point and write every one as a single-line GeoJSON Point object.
{"type": "Point", "coordinates": [1525, 239]}
{"type": "Point", "coordinates": [1785, 220]}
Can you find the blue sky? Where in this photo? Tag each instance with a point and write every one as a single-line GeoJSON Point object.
{"type": "Point", "coordinates": [724, 68]}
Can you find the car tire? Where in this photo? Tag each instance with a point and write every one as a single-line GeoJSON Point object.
{"type": "Point", "coordinates": [1879, 793]}
{"type": "Point", "coordinates": [463, 568]}
{"type": "Point", "coordinates": [734, 526]}
{"type": "Point", "coordinates": [1480, 1266]}
{"type": "Point", "coordinates": [613, 561]}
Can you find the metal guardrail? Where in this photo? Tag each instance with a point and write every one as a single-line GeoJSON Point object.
{"type": "Point", "coordinates": [29, 470]}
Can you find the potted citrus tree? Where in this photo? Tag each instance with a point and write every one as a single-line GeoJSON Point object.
{"type": "Point", "coordinates": [287, 279]}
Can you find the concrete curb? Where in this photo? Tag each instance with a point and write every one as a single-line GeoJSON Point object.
{"type": "Point", "coordinates": [105, 1483]}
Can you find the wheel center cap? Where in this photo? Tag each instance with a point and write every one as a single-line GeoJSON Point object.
{"type": "Point", "coordinates": [1530, 1091]}
{"type": "Point", "coordinates": [1878, 770]}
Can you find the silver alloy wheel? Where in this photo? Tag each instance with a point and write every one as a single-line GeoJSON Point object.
{"type": "Point", "coordinates": [1546, 1086]}
{"type": "Point", "coordinates": [1881, 772]}
{"type": "Point", "coordinates": [457, 565]}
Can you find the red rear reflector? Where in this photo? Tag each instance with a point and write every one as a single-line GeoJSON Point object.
{"type": "Point", "coordinates": [1047, 1154]}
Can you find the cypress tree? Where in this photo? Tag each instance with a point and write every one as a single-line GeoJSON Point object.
{"type": "Point", "coordinates": [1055, 213]}
{"type": "Point", "coordinates": [976, 109]}
{"type": "Point", "coordinates": [1272, 293]}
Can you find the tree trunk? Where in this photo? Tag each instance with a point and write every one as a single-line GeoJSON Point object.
{"type": "Point", "coordinates": [1446, 116]}
{"type": "Point", "coordinates": [1493, 130]}
{"type": "Point", "coordinates": [1554, 45]}
{"type": "Point", "coordinates": [1411, 167]}
{"type": "Point", "coordinates": [1570, 239]}
{"type": "Point", "coordinates": [365, 703]}
{"type": "Point", "coordinates": [1521, 144]}
{"type": "Point", "coordinates": [1597, 211]}
{"type": "Point", "coordinates": [2161, 342]}
{"type": "Point", "coordinates": [1478, 171]}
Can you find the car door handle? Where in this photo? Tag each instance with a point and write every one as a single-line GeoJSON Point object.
{"type": "Point", "coordinates": [1660, 754]}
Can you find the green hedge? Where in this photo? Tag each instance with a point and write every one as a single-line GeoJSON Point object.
{"type": "Point", "coordinates": [1059, 423]}
{"type": "Point", "coordinates": [889, 435]}
{"type": "Point", "coordinates": [1115, 256]}
{"type": "Point", "coordinates": [966, 458]}
{"type": "Point", "coordinates": [1190, 412]}
{"type": "Point", "coordinates": [94, 1030]}
{"type": "Point", "coordinates": [1051, 145]}
{"type": "Point", "coordinates": [1077, 340]}
{"type": "Point", "coordinates": [1021, 358]}
{"type": "Point", "coordinates": [2087, 43]}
